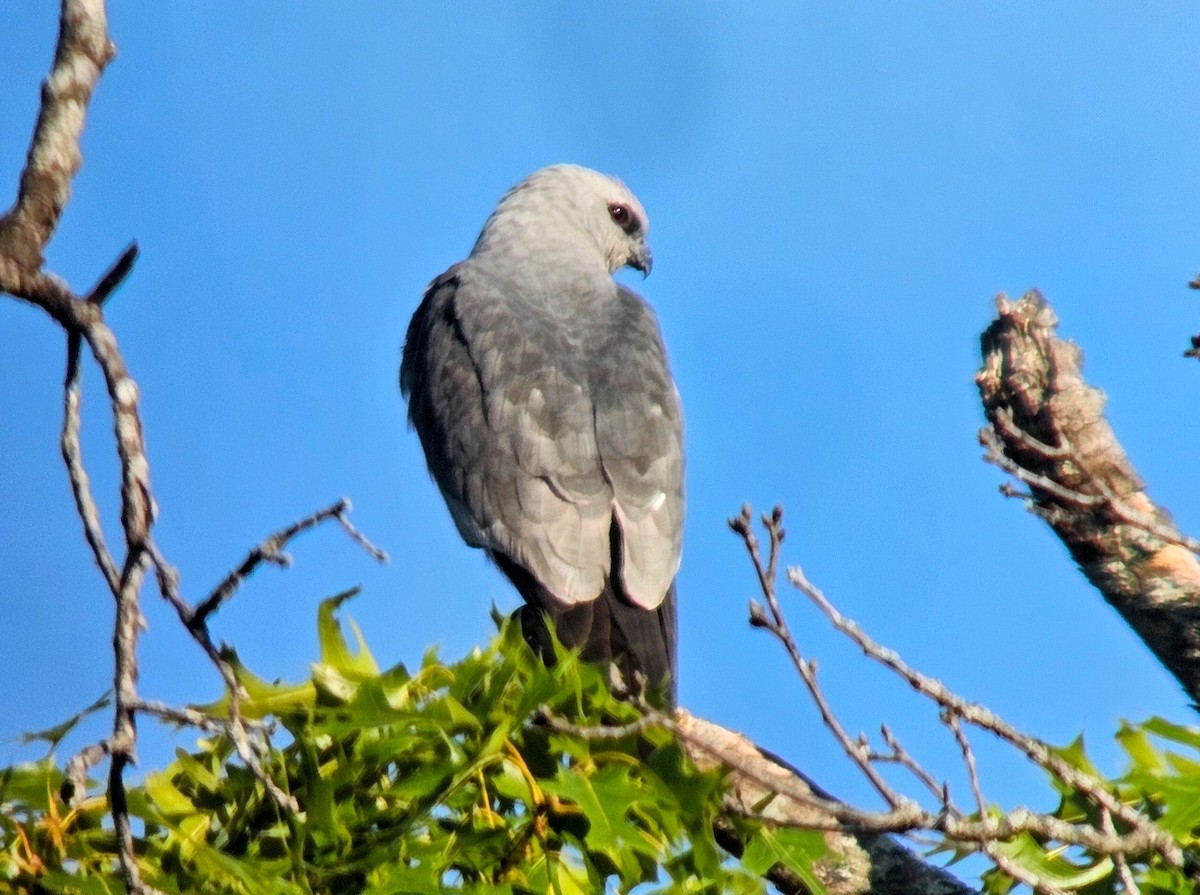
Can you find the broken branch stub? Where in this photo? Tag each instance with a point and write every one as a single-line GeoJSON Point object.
{"type": "Point", "coordinates": [1047, 428]}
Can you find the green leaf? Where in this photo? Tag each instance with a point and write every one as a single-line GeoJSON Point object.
{"type": "Point", "coordinates": [33, 784]}
{"type": "Point", "coordinates": [1053, 867]}
{"type": "Point", "coordinates": [615, 807]}
{"type": "Point", "coordinates": [1075, 755]}
{"type": "Point", "coordinates": [1179, 799]}
{"type": "Point", "coordinates": [1140, 748]}
{"type": "Point", "coordinates": [58, 881]}
{"type": "Point", "coordinates": [263, 698]}
{"type": "Point", "coordinates": [165, 796]}
{"type": "Point", "coordinates": [795, 849]}
{"type": "Point", "coordinates": [1176, 733]}
{"type": "Point", "coordinates": [335, 652]}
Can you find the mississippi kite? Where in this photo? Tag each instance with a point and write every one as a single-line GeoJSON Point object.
{"type": "Point", "coordinates": [540, 391]}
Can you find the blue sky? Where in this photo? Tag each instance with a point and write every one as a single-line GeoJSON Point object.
{"type": "Point", "coordinates": [836, 193]}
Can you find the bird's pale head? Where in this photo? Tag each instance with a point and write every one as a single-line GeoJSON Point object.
{"type": "Point", "coordinates": [572, 210]}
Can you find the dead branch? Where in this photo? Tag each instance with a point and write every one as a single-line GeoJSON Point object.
{"type": "Point", "coordinates": [271, 550]}
{"type": "Point", "coordinates": [1143, 837]}
{"type": "Point", "coordinates": [84, 50]}
{"type": "Point", "coordinates": [1047, 429]}
{"type": "Point", "coordinates": [979, 716]}
{"type": "Point", "coordinates": [858, 751]}
{"type": "Point", "coordinates": [805, 805]}
{"type": "Point", "coordinates": [53, 159]}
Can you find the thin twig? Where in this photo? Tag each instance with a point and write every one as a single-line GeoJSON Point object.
{"type": "Point", "coordinates": [72, 453]}
{"type": "Point", "coordinates": [75, 786]}
{"type": "Point", "coordinates": [996, 456]}
{"type": "Point", "coordinates": [343, 518]}
{"type": "Point", "coordinates": [968, 756]}
{"type": "Point", "coordinates": [1011, 431]}
{"type": "Point", "coordinates": [986, 831]}
{"type": "Point", "coordinates": [1144, 833]}
{"type": "Point", "coordinates": [190, 717]}
{"type": "Point", "coordinates": [1105, 500]}
{"type": "Point", "coordinates": [601, 732]}
{"type": "Point", "coordinates": [112, 278]}
{"type": "Point", "coordinates": [1124, 873]}
{"type": "Point", "coordinates": [900, 756]}
{"type": "Point", "coordinates": [989, 848]}
{"type": "Point", "coordinates": [168, 583]}
{"type": "Point", "coordinates": [270, 550]}
{"type": "Point", "coordinates": [72, 450]}
{"type": "Point", "coordinates": [856, 750]}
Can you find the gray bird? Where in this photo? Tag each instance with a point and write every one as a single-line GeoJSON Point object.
{"type": "Point", "coordinates": [540, 391]}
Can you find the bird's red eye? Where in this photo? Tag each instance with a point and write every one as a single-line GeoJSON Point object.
{"type": "Point", "coordinates": [623, 217]}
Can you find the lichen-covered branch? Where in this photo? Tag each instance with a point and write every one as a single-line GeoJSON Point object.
{"type": "Point", "coordinates": [765, 787]}
{"type": "Point", "coordinates": [84, 49]}
{"type": "Point", "coordinates": [1047, 428]}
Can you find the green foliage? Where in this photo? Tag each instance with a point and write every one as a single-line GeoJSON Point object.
{"type": "Point", "coordinates": [438, 780]}
{"type": "Point", "coordinates": [1162, 782]}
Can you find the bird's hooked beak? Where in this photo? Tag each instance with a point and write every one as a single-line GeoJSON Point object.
{"type": "Point", "coordinates": [641, 259]}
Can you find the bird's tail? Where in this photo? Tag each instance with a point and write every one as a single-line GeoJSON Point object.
{"type": "Point", "coordinates": [641, 642]}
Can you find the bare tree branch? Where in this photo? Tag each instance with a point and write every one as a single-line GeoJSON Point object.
{"type": "Point", "coordinates": [1141, 838]}
{"type": "Point", "coordinates": [271, 550]}
{"type": "Point", "coordinates": [773, 620]}
{"type": "Point", "coordinates": [898, 755]}
{"type": "Point", "coordinates": [990, 848]}
{"type": "Point", "coordinates": [1047, 428]}
{"type": "Point", "coordinates": [54, 156]}
{"type": "Point", "coordinates": [72, 421]}
{"type": "Point", "coordinates": [72, 452]}
{"type": "Point", "coordinates": [83, 52]}
{"type": "Point", "coordinates": [1144, 836]}
{"type": "Point", "coordinates": [764, 787]}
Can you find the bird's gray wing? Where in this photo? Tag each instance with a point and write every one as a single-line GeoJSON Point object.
{"type": "Point", "coordinates": [639, 431]}
{"type": "Point", "coordinates": [508, 434]}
